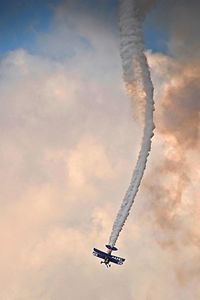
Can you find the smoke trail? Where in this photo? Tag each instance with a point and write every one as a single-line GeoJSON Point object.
{"type": "Point", "coordinates": [139, 86]}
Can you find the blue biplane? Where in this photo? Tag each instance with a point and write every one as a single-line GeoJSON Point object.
{"type": "Point", "coordinates": [108, 257]}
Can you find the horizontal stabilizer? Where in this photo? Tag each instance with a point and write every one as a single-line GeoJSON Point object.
{"type": "Point", "coordinates": [111, 248]}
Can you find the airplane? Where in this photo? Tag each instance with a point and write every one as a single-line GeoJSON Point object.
{"type": "Point", "coordinates": [108, 257]}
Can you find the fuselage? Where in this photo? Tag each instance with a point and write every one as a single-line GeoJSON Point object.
{"type": "Point", "coordinates": [107, 256]}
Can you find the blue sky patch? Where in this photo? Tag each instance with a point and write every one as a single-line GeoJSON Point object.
{"type": "Point", "coordinates": [22, 21]}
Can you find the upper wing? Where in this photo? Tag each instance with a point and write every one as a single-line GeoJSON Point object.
{"type": "Point", "coordinates": [117, 260]}
{"type": "Point", "coordinates": [114, 259]}
{"type": "Point", "coordinates": [99, 253]}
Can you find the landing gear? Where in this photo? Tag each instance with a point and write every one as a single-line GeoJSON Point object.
{"type": "Point", "coordinates": [107, 264]}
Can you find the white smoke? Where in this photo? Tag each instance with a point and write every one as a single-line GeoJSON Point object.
{"type": "Point", "coordinates": [139, 86]}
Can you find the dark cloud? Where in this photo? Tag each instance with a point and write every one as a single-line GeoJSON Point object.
{"type": "Point", "coordinates": [180, 112]}
{"type": "Point", "coordinates": [178, 122]}
{"type": "Point", "coordinates": [172, 184]}
{"type": "Point", "coordinates": [145, 5]}
{"type": "Point", "coordinates": [180, 20]}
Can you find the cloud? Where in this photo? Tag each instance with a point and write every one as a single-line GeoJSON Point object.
{"type": "Point", "coordinates": [173, 182]}
{"type": "Point", "coordinates": [145, 6]}
{"type": "Point", "coordinates": [59, 162]}
{"type": "Point", "coordinates": [180, 23]}
{"type": "Point", "coordinates": [68, 146]}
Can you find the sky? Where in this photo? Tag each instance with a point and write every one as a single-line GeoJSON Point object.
{"type": "Point", "coordinates": [69, 142]}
